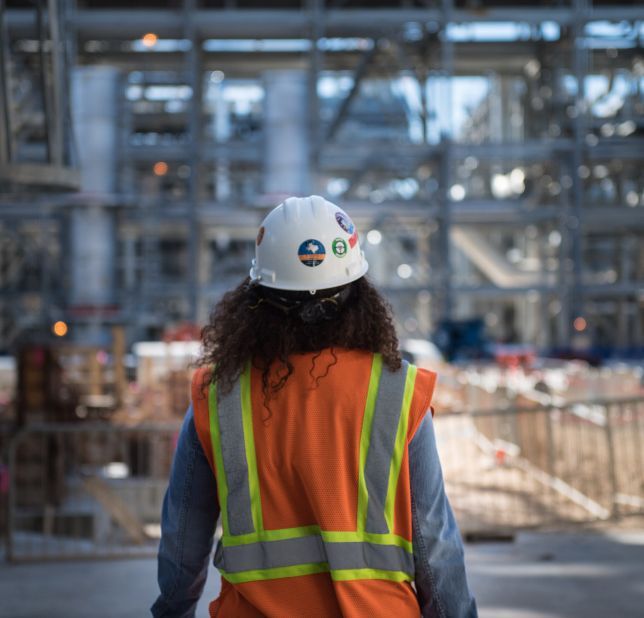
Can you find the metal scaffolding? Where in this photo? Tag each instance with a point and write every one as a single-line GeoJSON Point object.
{"type": "Point", "coordinates": [490, 156]}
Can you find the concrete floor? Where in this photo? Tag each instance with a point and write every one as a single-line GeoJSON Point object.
{"type": "Point", "coordinates": [540, 575]}
{"type": "Point", "coordinates": [560, 575]}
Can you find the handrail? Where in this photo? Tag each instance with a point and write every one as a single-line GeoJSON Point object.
{"type": "Point", "coordinates": [511, 410]}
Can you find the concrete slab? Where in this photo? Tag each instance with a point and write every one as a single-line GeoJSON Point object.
{"type": "Point", "coordinates": [560, 575]}
{"type": "Point", "coordinates": [540, 575]}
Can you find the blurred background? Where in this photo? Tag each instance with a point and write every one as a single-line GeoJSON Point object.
{"type": "Point", "coordinates": [490, 154]}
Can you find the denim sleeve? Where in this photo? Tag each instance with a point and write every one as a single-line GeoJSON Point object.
{"type": "Point", "coordinates": [441, 583]}
{"type": "Point", "coordinates": [190, 512]}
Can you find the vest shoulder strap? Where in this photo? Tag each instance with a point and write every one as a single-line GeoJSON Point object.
{"type": "Point", "coordinates": [233, 448]}
{"type": "Point", "coordinates": [422, 399]}
{"type": "Point", "coordinates": [201, 413]}
{"type": "Point", "coordinates": [386, 438]}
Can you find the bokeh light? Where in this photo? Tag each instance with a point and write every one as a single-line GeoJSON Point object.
{"type": "Point", "coordinates": [59, 328]}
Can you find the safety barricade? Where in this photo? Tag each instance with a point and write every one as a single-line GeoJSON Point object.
{"type": "Point", "coordinates": [533, 467]}
{"type": "Point", "coordinates": [95, 490]}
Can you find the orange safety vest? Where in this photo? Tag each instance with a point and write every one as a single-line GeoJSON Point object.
{"type": "Point", "coordinates": [313, 487]}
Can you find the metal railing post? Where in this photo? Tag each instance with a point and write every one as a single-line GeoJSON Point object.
{"type": "Point", "coordinates": [551, 455]}
{"type": "Point", "coordinates": [612, 472]}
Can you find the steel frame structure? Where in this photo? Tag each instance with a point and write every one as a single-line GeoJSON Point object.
{"type": "Point", "coordinates": [432, 56]}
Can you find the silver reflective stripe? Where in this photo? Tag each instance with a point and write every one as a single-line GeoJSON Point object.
{"type": "Point", "coordinates": [314, 550]}
{"type": "Point", "coordinates": [231, 429]}
{"type": "Point", "coordinates": [381, 445]}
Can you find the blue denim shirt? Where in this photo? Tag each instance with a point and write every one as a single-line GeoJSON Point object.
{"type": "Point", "coordinates": [191, 509]}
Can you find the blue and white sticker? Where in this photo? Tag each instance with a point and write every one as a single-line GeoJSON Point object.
{"type": "Point", "coordinates": [311, 252]}
{"type": "Point", "coordinates": [344, 222]}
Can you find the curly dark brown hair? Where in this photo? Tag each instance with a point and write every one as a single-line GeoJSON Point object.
{"type": "Point", "coordinates": [242, 326]}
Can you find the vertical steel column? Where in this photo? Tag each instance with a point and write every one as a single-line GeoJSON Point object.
{"type": "Point", "coordinates": [57, 83]}
{"type": "Point", "coordinates": [95, 91]}
{"type": "Point", "coordinates": [69, 52]}
{"type": "Point", "coordinates": [444, 224]}
{"type": "Point", "coordinates": [316, 11]}
{"type": "Point", "coordinates": [421, 76]}
{"type": "Point", "coordinates": [47, 263]}
{"type": "Point", "coordinates": [574, 221]}
{"type": "Point", "coordinates": [92, 232]}
{"type": "Point", "coordinates": [5, 95]}
{"type": "Point", "coordinates": [45, 79]}
{"type": "Point", "coordinates": [613, 486]}
{"type": "Point", "coordinates": [287, 147]}
{"type": "Point", "coordinates": [221, 127]}
{"type": "Point", "coordinates": [194, 61]}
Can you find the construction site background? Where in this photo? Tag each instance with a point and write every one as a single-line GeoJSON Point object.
{"type": "Point", "coordinates": [490, 155]}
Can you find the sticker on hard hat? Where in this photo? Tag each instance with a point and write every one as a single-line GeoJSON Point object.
{"type": "Point", "coordinates": [339, 247]}
{"type": "Point", "coordinates": [260, 235]}
{"type": "Point", "coordinates": [311, 252]}
{"type": "Point", "coordinates": [353, 240]}
{"type": "Point", "coordinates": [344, 222]}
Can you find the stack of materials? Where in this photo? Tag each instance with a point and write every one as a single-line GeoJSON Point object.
{"type": "Point", "coordinates": [162, 389]}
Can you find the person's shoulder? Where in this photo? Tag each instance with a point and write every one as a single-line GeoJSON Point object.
{"type": "Point", "coordinates": [425, 378]}
{"type": "Point", "coordinates": [200, 383]}
{"type": "Point", "coordinates": [424, 385]}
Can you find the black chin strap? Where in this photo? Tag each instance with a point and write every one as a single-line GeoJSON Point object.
{"type": "Point", "coordinates": [317, 309]}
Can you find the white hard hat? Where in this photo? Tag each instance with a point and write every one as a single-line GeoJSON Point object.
{"type": "Point", "coordinates": [307, 243]}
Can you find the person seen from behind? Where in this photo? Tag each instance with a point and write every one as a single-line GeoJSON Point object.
{"type": "Point", "coordinates": [313, 444]}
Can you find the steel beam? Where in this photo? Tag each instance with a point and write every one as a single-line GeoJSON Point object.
{"type": "Point", "coordinates": [351, 156]}
{"type": "Point", "coordinates": [470, 59]}
{"type": "Point", "coordinates": [624, 148]}
{"type": "Point", "coordinates": [468, 212]}
{"type": "Point", "coordinates": [210, 152]}
{"type": "Point", "coordinates": [445, 282]}
{"type": "Point", "coordinates": [317, 29]}
{"type": "Point", "coordinates": [41, 175]}
{"type": "Point", "coordinates": [195, 71]}
{"type": "Point", "coordinates": [574, 221]}
{"type": "Point", "coordinates": [288, 23]}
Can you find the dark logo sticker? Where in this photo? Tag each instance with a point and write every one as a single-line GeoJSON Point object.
{"type": "Point", "coordinates": [344, 222]}
{"type": "Point", "coordinates": [260, 236]}
{"type": "Point", "coordinates": [339, 247]}
{"type": "Point", "coordinates": [311, 252]}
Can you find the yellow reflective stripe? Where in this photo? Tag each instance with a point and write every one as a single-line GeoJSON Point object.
{"type": "Point", "coordinates": [365, 437]}
{"type": "Point", "coordinates": [328, 536]}
{"type": "Point", "coordinates": [269, 535]}
{"type": "Point", "coordinates": [352, 574]}
{"type": "Point", "coordinates": [215, 439]}
{"type": "Point", "coordinates": [311, 569]}
{"type": "Point", "coordinates": [249, 444]}
{"type": "Point", "coordinates": [368, 537]}
{"type": "Point", "coordinates": [276, 573]}
{"type": "Point", "coordinates": [399, 446]}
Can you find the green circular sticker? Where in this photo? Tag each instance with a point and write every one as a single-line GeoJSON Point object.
{"type": "Point", "coordinates": [339, 247]}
